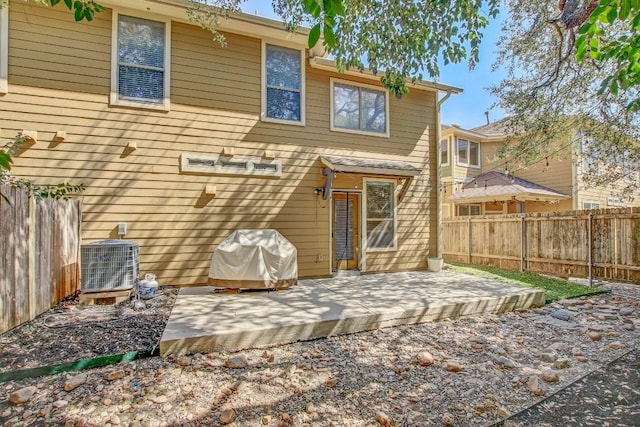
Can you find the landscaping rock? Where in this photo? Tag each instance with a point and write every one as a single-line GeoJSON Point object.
{"type": "Point", "coordinates": [227, 416]}
{"type": "Point", "coordinates": [115, 375]}
{"type": "Point", "coordinates": [626, 311]}
{"type": "Point", "coordinates": [549, 376]}
{"type": "Point", "coordinates": [561, 364]}
{"type": "Point", "coordinates": [562, 314]}
{"type": "Point", "coordinates": [74, 382]}
{"type": "Point", "coordinates": [454, 366]}
{"type": "Point", "coordinates": [23, 395]}
{"type": "Point", "coordinates": [535, 387]}
{"type": "Point", "coordinates": [594, 335]}
{"type": "Point", "coordinates": [505, 362]}
{"type": "Point", "coordinates": [425, 358]}
{"type": "Point", "coordinates": [236, 362]}
{"type": "Point", "coordinates": [383, 419]}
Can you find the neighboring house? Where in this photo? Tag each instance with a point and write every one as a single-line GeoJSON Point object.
{"type": "Point", "coordinates": [186, 141]}
{"type": "Point", "coordinates": [476, 182]}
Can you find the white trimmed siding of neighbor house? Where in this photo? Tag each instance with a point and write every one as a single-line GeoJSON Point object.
{"type": "Point", "coordinates": [59, 80]}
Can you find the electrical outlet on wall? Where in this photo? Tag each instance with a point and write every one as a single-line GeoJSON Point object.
{"type": "Point", "coordinates": [319, 257]}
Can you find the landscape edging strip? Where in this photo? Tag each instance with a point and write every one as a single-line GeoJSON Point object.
{"type": "Point", "coordinates": [77, 365]}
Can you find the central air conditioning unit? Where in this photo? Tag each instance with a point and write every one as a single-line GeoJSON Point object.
{"type": "Point", "coordinates": [109, 265]}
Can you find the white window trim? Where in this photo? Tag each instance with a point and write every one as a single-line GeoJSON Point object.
{"type": "Point", "coordinates": [303, 84]}
{"type": "Point", "coordinates": [479, 205]}
{"type": "Point", "coordinates": [467, 164]}
{"type": "Point", "coordinates": [587, 202]}
{"type": "Point", "coordinates": [113, 99]}
{"type": "Point", "coordinates": [616, 203]}
{"type": "Point", "coordinates": [365, 237]}
{"type": "Point", "coordinates": [448, 162]}
{"type": "Point", "coordinates": [4, 49]}
{"type": "Point", "coordinates": [360, 132]}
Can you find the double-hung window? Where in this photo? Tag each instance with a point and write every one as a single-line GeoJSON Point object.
{"type": "Point", "coordinates": [359, 108]}
{"type": "Point", "coordinates": [283, 84]}
{"type": "Point", "coordinates": [444, 151]}
{"type": "Point", "coordinates": [380, 215]}
{"type": "Point", "coordinates": [4, 48]}
{"type": "Point", "coordinates": [140, 62]}
{"type": "Point", "coordinates": [468, 153]}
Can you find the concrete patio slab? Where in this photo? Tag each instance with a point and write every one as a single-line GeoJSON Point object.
{"type": "Point", "coordinates": [204, 321]}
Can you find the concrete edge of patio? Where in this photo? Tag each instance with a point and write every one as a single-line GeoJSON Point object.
{"type": "Point", "coordinates": [306, 326]}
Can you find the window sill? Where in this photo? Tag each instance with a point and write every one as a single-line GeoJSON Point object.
{"type": "Point", "coordinates": [281, 122]}
{"type": "Point", "coordinates": [140, 105]}
{"type": "Point", "coordinates": [381, 250]}
{"type": "Point", "coordinates": [466, 165]}
{"type": "Point", "coordinates": [360, 132]}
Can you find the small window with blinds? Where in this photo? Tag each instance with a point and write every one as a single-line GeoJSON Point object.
{"type": "Point", "coordinates": [140, 68]}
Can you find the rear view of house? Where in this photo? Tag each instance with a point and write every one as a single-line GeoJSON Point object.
{"type": "Point", "coordinates": [185, 141]}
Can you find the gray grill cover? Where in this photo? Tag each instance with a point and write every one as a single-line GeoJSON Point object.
{"type": "Point", "coordinates": [254, 259]}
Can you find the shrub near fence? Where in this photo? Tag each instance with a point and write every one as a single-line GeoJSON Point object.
{"type": "Point", "coordinates": [602, 243]}
{"type": "Point", "coordinates": [40, 255]}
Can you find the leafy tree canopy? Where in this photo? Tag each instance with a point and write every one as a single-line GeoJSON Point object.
{"type": "Point", "coordinates": [561, 86]}
{"type": "Point", "coordinates": [611, 35]}
{"type": "Point", "coordinates": [400, 38]}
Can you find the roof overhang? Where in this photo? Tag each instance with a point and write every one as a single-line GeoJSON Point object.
{"type": "Point", "coordinates": [241, 23]}
{"type": "Point", "coordinates": [471, 135]}
{"type": "Point", "coordinates": [330, 65]}
{"type": "Point", "coordinates": [475, 196]}
{"type": "Point", "coordinates": [368, 166]}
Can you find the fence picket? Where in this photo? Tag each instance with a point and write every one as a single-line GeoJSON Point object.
{"type": "Point", "coordinates": [40, 254]}
{"type": "Point", "coordinates": [557, 243]}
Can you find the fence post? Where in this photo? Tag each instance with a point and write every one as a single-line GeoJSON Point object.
{"type": "Point", "coordinates": [590, 240]}
{"type": "Point", "coordinates": [522, 242]}
{"type": "Point", "coordinates": [469, 229]}
{"type": "Point", "coordinates": [32, 229]}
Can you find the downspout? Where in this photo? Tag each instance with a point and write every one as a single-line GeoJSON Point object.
{"type": "Point", "coordinates": [439, 175]}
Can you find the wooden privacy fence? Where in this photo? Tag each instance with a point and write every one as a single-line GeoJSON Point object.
{"type": "Point", "coordinates": [39, 255]}
{"type": "Point", "coordinates": [601, 243]}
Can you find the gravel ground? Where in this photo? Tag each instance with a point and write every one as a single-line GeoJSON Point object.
{"type": "Point", "coordinates": [606, 397]}
{"type": "Point", "coordinates": [70, 331]}
{"type": "Point", "coordinates": [469, 372]}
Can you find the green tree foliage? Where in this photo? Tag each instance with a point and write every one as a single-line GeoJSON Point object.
{"type": "Point", "coordinates": [82, 9]}
{"type": "Point", "coordinates": [611, 35]}
{"type": "Point", "coordinates": [401, 38]}
{"type": "Point", "coordinates": [550, 96]}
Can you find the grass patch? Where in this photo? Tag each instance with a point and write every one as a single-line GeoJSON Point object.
{"type": "Point", "coordinates": [554, 289]}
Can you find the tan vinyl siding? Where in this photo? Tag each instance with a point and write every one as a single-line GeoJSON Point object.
{"type": "Point", "coordinates": [59, 79]}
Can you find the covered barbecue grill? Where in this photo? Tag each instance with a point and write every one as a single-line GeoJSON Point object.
{"type": "Point", "coordinates": [254, 259]}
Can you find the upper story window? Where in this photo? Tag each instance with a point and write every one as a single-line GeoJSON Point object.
{"type": "Point", "coordinates": [444, 151]}
{"type": "Point", "coordinates": [283, 85]}
{"type": "Point", "coordinates": [4, 48]}
{"type": "Point", "coordinates": [140, 62]}
{"type": "Point", "coordinates": [590, 154]}
{"type": "Point", "coordinates": [468, 153]}
{"type": "Point", "coordinates": [469, 210]}
{"type": "Point", "coordinates": [380, 215]}
{"type": "Point", "coordinates": [359, 108]}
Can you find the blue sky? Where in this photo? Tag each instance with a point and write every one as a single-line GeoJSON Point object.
{"type": "Point", "coordinates": [466, 109]}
